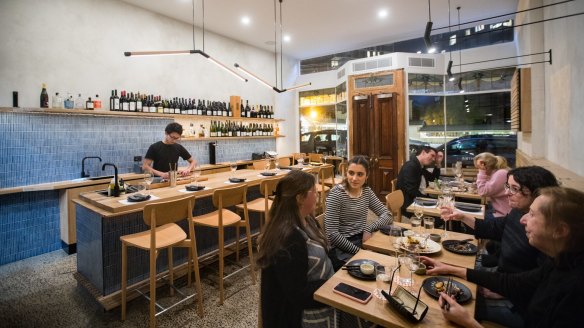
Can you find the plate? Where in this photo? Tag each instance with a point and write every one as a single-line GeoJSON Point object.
{"type": "Point", "coordinates": [468, 249]}
{"type": "Point", "coordinates": [464, 295]}
{"type": "Point", "coordinates": [426, 202]}
{"type": "Point", "coordinates": [357, 273]}
{"type": "Point", "coordinates": [387, 228]}
{"type": "Point", "coordinates": [468, 207]}
{"type": "Point", "coordinates": [431, 246]}
{"type": "Point", "coordinates": [268, 174]}
{"type": "Point", "coordinates": [138, 198]}
{"type": "Point", "coordinates": [133, 188]}
{"type": "Point", "coordinates": [236, 180]}
{"type": "Point", "coordinates": [194, 188]}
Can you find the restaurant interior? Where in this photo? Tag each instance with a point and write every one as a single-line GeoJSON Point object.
{"type": "Point", "coordinates": [259, 87]}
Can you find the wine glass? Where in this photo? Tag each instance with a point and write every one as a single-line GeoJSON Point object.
{"type": "Point", "coordinates": [300, 160]}
{"type": "Point", "coordinates": [148, 177]}
{"type": "Point", "coordinates": [196, 175]}
{"type": "Point", "coordinates": [324, 156]}
{"type": "Point", "coordinates": [445, 200]}
{"type": "Point", "coordinates": [267, 166]}
{"type": "Point", "coordinates": [418, 212]}
{"type": "Point", "coordinates": [395, 233]}
{"type": "Point", "coordinates": [413, 264]}
{"type": "Point", "coordinates": [233, 168]}
{"type": "Point", "coordinates": [277, 165]}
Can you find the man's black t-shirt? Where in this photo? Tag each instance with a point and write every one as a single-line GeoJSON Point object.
{"type": "Point", "coordinates": [162, 155]}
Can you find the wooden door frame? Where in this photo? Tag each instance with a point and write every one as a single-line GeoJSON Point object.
{"type": "Point", "coordinates": [398, 90]}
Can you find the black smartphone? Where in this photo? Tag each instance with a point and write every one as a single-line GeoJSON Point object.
{"type": "Point", "coordinates": [354, 293]}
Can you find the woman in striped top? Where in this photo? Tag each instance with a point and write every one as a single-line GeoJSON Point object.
{"type": "Point", "coordinates": [347, 205]}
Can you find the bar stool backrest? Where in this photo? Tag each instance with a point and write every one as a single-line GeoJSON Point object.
{"type": "Point", "coordinates": [169, 212]}
{"type": "Point", "coordinates": [327, 172]}
{"type": "Point", "coordinates": [394, 201]}
{"type": "Point", "coordinates": [284, 161]}
{"type": "Point", "coordinates": [230, 196]}
{"type": "Point", "coordinates": [268, 186]}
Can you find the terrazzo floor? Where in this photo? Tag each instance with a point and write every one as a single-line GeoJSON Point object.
{"type": "Point", "coordinates": [41, 292]}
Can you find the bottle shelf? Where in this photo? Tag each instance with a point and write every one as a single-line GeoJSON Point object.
{"type": "Point", "coordinates": [229, 138]}
{"type": "Point", "coordinates": [104, 112]}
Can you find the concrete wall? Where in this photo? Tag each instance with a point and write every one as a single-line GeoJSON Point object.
{"type": "Point", "coordinates": [557, 96]}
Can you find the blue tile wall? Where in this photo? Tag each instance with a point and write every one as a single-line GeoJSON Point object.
{"type": "Point", "coordinates": [38, 148]}
{"type": "Point", "coordinates": [29, 225]}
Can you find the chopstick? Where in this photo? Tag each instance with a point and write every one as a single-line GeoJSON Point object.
{"type": "Point", "coordinates": [448, 291]}
{"type": "Point", "coordinates": [351, 266]}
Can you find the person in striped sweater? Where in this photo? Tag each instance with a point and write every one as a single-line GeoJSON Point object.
{"type": "Point", "coordinates": [345, 216]}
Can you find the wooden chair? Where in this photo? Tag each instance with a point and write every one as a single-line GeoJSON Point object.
{"type": "Point", "coordinates": [394, 184]}
{"type": "Point", "coordinates": [262, 205]}
{"type": "Point", "coordinates": [221, 218]}
{"type": "Point", "coordinates": [164, 233]}
{"type": "Point", "coordinates": [312, 157]}
{"type": "Point", "coordinates": [394, 202]}
{"type": "Point", "coordinates": [296, 156]}
{"type": "Point", "coordinates": [259, 164]}
{"type": "Point", "coordinates": [284, 161]}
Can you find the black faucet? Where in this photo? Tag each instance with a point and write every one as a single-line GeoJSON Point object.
{"type": "Point", "coordinates": [116, 191]}
{"type": "Point", "coordinates": [83, 174]}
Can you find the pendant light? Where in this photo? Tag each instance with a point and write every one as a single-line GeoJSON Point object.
{"type": "Point", "coordinates": [460, 89]}
{"type": "Point", "coordinates": [264, 82]}
{"type": "Point", "coordinates": [449, 68]}
{"type": "Point", "coordinates": [189, 52]}
{"type": "Point", "coordinates": [427, 32]}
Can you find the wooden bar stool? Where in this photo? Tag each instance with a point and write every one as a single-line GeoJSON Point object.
{"type": "Point", "coordinates": [164, 233]}
{"type": "Point", "coordinates": [262, 205]}
{"type": "Point", "coordinates": [221, 218]}
{"type": "Point", "coordinates": [313, 157]}
{"type": "Point", "coordinates": [284, 161]}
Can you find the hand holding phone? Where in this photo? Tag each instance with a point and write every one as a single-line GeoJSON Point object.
{"type": "Point", "coordinates": [354, 293]}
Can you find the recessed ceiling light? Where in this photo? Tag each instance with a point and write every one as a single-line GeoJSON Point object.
{"type": "Point", "coordinates": [286, 38]}
{"type": "Point", "coordinates": [382, 13]}
{"type": "Point", "coordinates": [245, 20]}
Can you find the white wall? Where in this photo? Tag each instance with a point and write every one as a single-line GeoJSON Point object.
{"type": "Point", "coordinates": [77, 46]}
{"type": "Point", "coordinates": [557, 96]}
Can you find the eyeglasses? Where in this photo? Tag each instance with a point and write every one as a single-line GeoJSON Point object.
{"type": "Point", "coordinates": [512, 189]}
{"type": "Point", "coordinates": [173, 137]}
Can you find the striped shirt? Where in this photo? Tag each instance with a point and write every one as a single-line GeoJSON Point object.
{"type": "Point", "coordinates": [345, 216]}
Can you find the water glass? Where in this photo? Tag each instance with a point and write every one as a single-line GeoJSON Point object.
{"type": "Point", "coordinates": [233, 168]}
{"type": "Point", "coordinates": [196, 174]}
{"type": "Point", "coordinates": [148, 177]}
{"type": "Point", "coordinates": [382, 279]}
{"type": "Point", "coordinates": [405, 275]}
{"type": "Point", "coordinates": [429, 224]}
{"type": "Point", "coordinates": [416, 223]}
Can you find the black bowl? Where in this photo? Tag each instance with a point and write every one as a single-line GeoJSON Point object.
{"type": "Point", "coordinates": [236, 180]}
{"type": "Point", "coordinates": [194, 188]}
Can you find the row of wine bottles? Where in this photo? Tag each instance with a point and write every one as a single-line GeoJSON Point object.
{"type": "Point", "coordinates": [68, 102]}
{"type": "Point", "coordinates": [234, 129]}
{"type": "Point", "coordinates": [136, 102]}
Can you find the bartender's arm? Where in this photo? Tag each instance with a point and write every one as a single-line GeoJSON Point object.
{"type": "Point", "coordinates": [189, 169]}
{"type": "Point", "coordinates": [147, 167]}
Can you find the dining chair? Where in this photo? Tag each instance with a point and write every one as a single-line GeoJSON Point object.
{"type": "Point", "coordinates": [296, 156]}
{"type": "Point", "coordinates": [263, 204]}
{"type": "Point", "coordinates": [393, 184]}
{"type": "Point", "coordinates": [394, 202]}
{"type": "Point", "coordinates": [313, 157]}
{"type": "Point", "coordinates": [164, 233]}
{"type": "Point", "coordinates": [220, 219]}
{"type": "Point", "coordinates": [284, 161]}
{"type": "Point", "coordinates": [260, 164]}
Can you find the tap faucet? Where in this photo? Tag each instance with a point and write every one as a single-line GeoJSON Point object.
{"type": "Point", "coordinates": [116, 192]}
{"type": "Point", "coordinates": [83, 174]}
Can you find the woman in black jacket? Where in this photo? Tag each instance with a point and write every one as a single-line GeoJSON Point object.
{"type": "Point", "coordinates": [551, 295]}
{"type": "Point", "coordinates": [293, 258]}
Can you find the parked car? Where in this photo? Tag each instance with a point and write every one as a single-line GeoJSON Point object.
{"type": "Point", "coordinates": [321, 141]}
{"type": "Point", "coordinates": [465, 148]}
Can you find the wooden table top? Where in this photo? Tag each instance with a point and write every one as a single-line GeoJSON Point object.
{"type": "Point", "coordinates": [378, 311]}
{"type": "Point", "coordinates": [457, 194]}
{"type": "Point", "coordinates": [382, 244]}
{"type": "Point", "coordinates": [111, 206]}
{"type": "Point", "coordinates": [435, 211]}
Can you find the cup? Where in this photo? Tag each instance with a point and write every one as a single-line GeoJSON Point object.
{"type": "Point", "coordinates": [429, 224]}
{"type": "Point", "coordinates": [382, 277]}
{"type": "Point", "coordinates": [405, 275]}
{"type": "Point", "coordinates": [172, 178]}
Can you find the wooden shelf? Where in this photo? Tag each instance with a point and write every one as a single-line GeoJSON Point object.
{"type": "Point", "coordinates": [104, 112]}
{"type": "Point", "coordinates": [229, 138]}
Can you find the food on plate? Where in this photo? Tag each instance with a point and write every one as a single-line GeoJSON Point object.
{"type": "Point", "coordinates": [440, 286]}
{"type": "Point", "coordinates": [412, 241]}
{"type": "Point", "coordinates": [464, 247]}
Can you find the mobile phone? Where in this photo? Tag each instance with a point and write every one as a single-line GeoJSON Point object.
{"type": "Point", "coordinates": [354, 293]}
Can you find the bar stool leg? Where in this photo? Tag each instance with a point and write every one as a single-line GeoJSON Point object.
{"type": "Point", "coordinates": [221, 254]}
{"type": "Point", "coordinates": [152, 307]}
{"type": "Point", "coordinates": [170, 271]}
{"type": "Point", "coordinates": [250, 250]}
{"type": "Point", "coordinates": [124, 279]}
{"type": "Point", "coordinates": [237, 244]}
{"type": "Point", "coordinates": [195, 258]}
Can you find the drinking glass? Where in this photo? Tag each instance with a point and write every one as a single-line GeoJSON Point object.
{"type": "Point", "coordinates": [382, 279]}
{"type": "Point", "coordinates": [196, 174]}
{"type": "Point", "coordinates": [300, 160]}
{"type": "Point", "coordinates": [405, 275]}
{"type": "Point", "coordinates": [418, 212]}
{"type": "Point", "coordinates": [148, 177]}
{"type": "Point", "coordinates": [324, 156]}
{"type": "Point", "coordinates": [277, 165]}
{"type": "Point", "coordinates": [429, 224]}
{"type": "Point", "coordinates": [413, 265]}
{"type": "Point", "coordinates": [395, 233]}
{"type": "Point", "coordinates": [233, 168]}
{"type": "Point", "coordinates": [446, 200]}
{"type": "Point", "coordinates": [267, 166]}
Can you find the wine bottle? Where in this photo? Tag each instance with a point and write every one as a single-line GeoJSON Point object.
{"type": "Point", "coordinates": [96, 102]}
{"type": "Point", "coordinates": [116, 100]}
{"type": "Point", "coordinates": [79, 102]}
{"type": "Point", "coordinates": [44, 97]}
{"type": "Point", "coordinates": [112, 101]}
{"type": "Point", "coordinates": [139, 104]}
{"type": "Point", "coordinates": [132, 103]}
{"type": "Point", "coordinates": [89, 104]}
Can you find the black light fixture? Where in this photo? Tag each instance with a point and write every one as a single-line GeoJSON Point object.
{"type": "Point", "coordinates": [262, 81]}
{"type": "Point", "coordinates": [428, 31]}
{"type": "Point", "coordinates": [449, 68]}
{"type": "Point", "coordinates": [188, 52]}
{"type": "Point", "coordinates": [460, 89]}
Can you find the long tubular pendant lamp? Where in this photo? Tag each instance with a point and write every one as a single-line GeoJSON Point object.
{"type": "Point", "coordinates": [461, 90]}
{"type": "Point", "coordinates": [427, 32]}
{"type": "Point", "coordinates": [449, 68]}
{"type": "Point", "coordinates": [264, 82]}
{"type": "Point", "coordinates": [189, 52]}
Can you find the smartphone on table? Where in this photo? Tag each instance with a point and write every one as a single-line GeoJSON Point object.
{"type": "Point", "coordinates": [354, 293]}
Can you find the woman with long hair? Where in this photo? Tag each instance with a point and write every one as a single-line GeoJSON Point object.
{"type": "Point", "coordinates": [347, 206]}
{"type": "Point", "coordinates": [491, 180]}
{"type": "Point", "coordinates": [293, 257]}
{"type": "Point", "coordinates": [551, 295]}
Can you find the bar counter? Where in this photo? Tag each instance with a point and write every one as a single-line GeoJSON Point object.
{"type": "Point", "coordinates": [101, 221]}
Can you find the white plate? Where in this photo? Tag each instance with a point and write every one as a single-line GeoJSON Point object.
{"type": "Point", "coordinates": [431, 246]}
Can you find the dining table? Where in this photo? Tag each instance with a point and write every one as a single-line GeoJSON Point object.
{"type": "Point", "coordinates": [382, 243]}
{"type": "Point", "coordinates": [432, 209]}
{"type": "Point", "coordinates": [460, 194]}
{"type": "Point", "coordinates": [378, 310]}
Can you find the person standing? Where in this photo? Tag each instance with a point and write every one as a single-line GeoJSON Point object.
{"type": "Point", "coordinates": [410, 175]}
{"type": "Point", "coordinates": [162, 154]}
{"type": "Point", "coordinates": [491, 180]}
{"type": "Point", "coordinates": [293, 258]}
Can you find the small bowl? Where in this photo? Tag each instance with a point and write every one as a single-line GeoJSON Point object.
{"type": "Point", "coordinates": [421, 271]}
{"type": "Point", "coordinates": [409, 233]}
{"type": "Point", "coordinates": [367, 268]}
{"type": "Point", "coordinates": [435, 237]}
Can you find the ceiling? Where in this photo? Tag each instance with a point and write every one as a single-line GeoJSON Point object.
{"type": "Point", "coordinates": [323, 27]}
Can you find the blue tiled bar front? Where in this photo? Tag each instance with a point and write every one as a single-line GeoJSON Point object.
{"type": "Point", "coordinates": [99, 246]}
{"type": "Point", "coordinates": [45, 147]}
